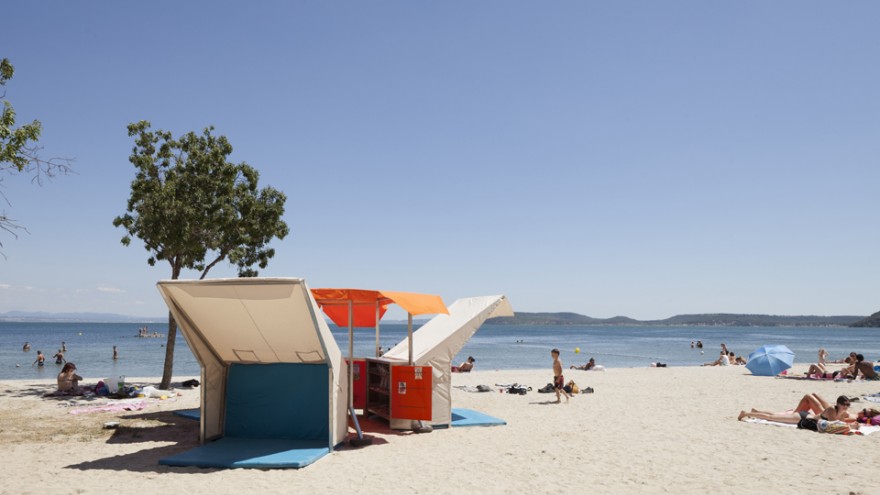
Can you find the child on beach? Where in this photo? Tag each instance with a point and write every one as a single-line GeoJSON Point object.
{"type": "Point", "coordinates": [558, 379]}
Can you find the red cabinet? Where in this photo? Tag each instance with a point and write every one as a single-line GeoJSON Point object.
{"type": "Point", "coordinates": [399, 391]}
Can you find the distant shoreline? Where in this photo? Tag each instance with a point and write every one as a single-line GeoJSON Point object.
{"type": "Point", "coordinates": [694, 320]}
{"type": "Point", "coordinates": [524, 318]}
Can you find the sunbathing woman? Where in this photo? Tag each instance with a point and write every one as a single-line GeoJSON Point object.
{"type": "Point", "coordinates": [68, 380]}
{"type": "Point", "coordinates": [838, 412]}
{"type": "Point", "coordinates": [870, 417]}
{"type": "Point", "coordinates": [851, 359]}
{"type": "Point", "coordinates": [587, 367]}
{"type": "Point", "coordinates": [818, 370]}
{"type": "Point", "coordinates": [810, 403]}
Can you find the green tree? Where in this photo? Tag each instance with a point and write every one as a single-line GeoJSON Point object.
{"type": "Point", "coordinates": [18, 150]}
{"type": "Point", "coordinates": [193, 208]}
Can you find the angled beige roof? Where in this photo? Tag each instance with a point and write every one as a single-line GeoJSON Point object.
{"type": "Point", "coordinates": [265, 320]}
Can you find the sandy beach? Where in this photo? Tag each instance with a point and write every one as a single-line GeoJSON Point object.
{"type": "Point", "coordinates": [671, 430]}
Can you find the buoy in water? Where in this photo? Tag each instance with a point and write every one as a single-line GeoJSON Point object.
{"type": "Point", "coordinates": [577, 350]}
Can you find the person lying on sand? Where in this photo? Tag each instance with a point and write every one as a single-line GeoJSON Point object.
{"type": "Point", "coordinates": [817, 369]}
{"type": "Point", "coordinates": [587, 367]}
{"type": "Point", "coordinates": [810, 403]}
{"type": "Point", "coordinates": [851, 359]}
{"type": "Point", "coordinates": [869, 417]}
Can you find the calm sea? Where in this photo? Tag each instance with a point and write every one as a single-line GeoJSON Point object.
{"type": "Point", "coordinates": [90, 346]}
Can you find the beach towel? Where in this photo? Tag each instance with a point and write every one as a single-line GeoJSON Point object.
{"type": "Point", "coordinates": [864, 430]}
{"type": "Point", "coordinates": [872, 398]}
{"type": "Point", "coordinates": [813, 377]}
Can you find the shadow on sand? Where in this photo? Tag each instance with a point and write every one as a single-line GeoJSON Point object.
{"type": "Point", "coordinates": [171, 428]}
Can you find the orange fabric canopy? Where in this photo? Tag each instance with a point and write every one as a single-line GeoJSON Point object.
{"type": "Point", "coordinates": [334, 302]}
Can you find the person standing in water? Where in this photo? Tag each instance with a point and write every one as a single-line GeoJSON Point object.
{"type": "Point", "coordinates": [59, 357]}
{"type": "Point", "coordinates": [115, 353]}
{"type": "Point", "coordinates": [26, 347]}
{"type": "Point", "coordinates": [63, 346]}
{"type": "Point", "coordinates": [558, 379]}
{"type": "Point", "coordinates": [41, 359]}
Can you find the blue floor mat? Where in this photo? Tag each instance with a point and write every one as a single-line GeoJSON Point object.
{"type": "Point", "coordinates": [469, 417]}
{"type": "Point", "coordinates": [261, 453]}
{"type": "Point", "coordinates": [195, 414]}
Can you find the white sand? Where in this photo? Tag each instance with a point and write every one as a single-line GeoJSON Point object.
{"type": "Point", "coordinates": [670, 430]}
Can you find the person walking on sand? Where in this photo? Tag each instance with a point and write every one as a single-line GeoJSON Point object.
{"type": "Point", "coordinates": [115, 353]}
{"type": "Point", "coordinates": [558, 379]}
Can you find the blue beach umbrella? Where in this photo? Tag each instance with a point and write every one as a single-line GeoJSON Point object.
{"type": "Point", "coordinates": [770, 360]}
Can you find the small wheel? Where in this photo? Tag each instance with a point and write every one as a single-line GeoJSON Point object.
{"type": "Point", "coordinates": [422, 429]}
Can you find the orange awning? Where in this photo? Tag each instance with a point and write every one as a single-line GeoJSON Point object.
{"type": "Point", "coordinates": [334, 303]}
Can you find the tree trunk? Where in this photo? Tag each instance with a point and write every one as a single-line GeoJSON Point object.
{"type": "Point", "coordinates": [169, 353]}
{"type": "Point", "coordinates": [169, 343]}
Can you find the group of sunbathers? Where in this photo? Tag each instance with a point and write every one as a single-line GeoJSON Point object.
{"type": "Point", "coordinates": [855, 364]}
{"type": "Point", "coordinates": [727, 358]}
{"type": "Point", "coordinates": [825, 417]}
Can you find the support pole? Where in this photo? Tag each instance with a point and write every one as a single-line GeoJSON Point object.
{"type": "Point", "coordinates": [378, 348]}
{"type": "Point", "coordinates": [409, 336]}
{"type": "Point", "coordinates": [360, 439]}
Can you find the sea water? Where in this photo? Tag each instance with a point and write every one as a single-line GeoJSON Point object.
{"type": "Point", "coordinates": [90, 346]}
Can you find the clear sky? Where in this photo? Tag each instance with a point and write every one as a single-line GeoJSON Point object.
{"type": "Point", "coordinates": [608, 158]}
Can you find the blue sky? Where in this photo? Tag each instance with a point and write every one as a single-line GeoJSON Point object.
{"type": "Point", "coordinates": [609, 158]}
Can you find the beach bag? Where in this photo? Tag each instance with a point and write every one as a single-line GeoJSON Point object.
{"type": "Point", "coordinates": [483, 388]}
{"type": "Point", "coordinates": [546, 389]}
{"type": "Point", "coordinates": [808, 424]}
{"type": "Point", "coordinates": [517, 389]}
{"type": "Point", "coordinates": [573, 388]}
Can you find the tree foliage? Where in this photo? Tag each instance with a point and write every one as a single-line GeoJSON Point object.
{"type": "Point", "coordinates": [193, 208]}
{"type": "Point", "coordinates": [19, 152]}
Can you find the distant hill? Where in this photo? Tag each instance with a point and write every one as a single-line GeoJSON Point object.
{"type": "Point", "coordinates": [871, 321]}
{"type": "Point", "coordinates": [25, 316]}
{"type": "Point", "coordinates": [714, 319]}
